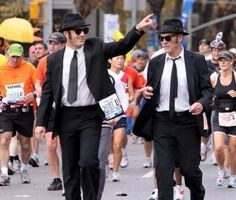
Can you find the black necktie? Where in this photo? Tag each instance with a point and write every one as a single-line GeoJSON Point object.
{"type": "Point", "coordinates": [73, 80]}
{"type": "Point", "coordinates": [173, 89]}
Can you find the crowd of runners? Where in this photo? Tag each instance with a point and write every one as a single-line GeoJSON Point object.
{"type": "Point", "coordinates": [21, 82]}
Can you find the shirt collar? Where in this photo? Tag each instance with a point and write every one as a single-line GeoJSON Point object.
{"type": "Point", "coordinates": [181, 55]}
{"type": "Point", "coordinates": [70, 51]}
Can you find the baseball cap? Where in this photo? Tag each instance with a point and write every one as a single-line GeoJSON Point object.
{"type": "Point", "coordinates": [141, 53]}
{"type": "Point", "coordinates": [225, 54]}
{"type": "Point", "coordinates": [15, 50]}
{"type": "Point", "coordinates": [57, 37]}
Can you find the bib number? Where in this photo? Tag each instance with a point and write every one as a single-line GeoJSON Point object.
{"type": "Point", "coordinates": [111, 106]}
{"type": "Point", "coordinates": [227, 119]}
{"type": "Point", "coordinates": [14, 92]}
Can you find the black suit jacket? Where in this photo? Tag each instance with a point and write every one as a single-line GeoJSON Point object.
{"type": "Point", "coordinates": [199, 89]}
{"type": "Point", "coordinates": [96, 54]}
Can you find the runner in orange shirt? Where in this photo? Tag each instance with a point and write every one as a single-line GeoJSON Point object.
{"type": "Point", "coordinates": [17, 80]}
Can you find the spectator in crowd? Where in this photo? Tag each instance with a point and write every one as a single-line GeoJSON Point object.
{"type": "Point", "coordinates": [32, 57]}
{"type": "Point", "coordinates": [204, 48]}
{"type": "Point", "coordinates": [41, 50]}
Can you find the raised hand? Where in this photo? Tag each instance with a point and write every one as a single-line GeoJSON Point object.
{"type": "Point", "coordinates": [145, 23]}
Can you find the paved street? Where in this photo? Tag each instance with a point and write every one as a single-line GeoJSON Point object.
{"type": "Point", "coordinates": [136, 182]}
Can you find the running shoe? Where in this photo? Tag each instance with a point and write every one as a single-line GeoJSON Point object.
{"type": "Point", "coordinates": [115, 177]}
{"type": "Point", "coordinates": [147, 163]}
{"type": "Point", "coordinates": [16, 165]}
{"type": "Point", "coordinates": [226, 173]}
{"type": "Point", "coordinates": [154, 195]}
{"type": "Point", "coordinates": [220, 178]}
{"type": "Point", "coordinates": [179, 192]}
{"type": "Point", "coordinates": [34, 162]}
{"type": "Point", "coordinates": [25, 178]}
{"type": "Point", "coordinates": [4, 180]}
{"type": "Point", "coordinates": [56, 184]}
{"type": "Point", "coordinates": [124, 161]}
{"type": "Point", "coordinates": [232, 182]}
{"type": "Point", "coordinates": [46, 163]}
{"type": "Point", "coordinates": [10, 170]}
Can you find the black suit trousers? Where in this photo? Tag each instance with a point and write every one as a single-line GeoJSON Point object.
{"type": "Point", "coordinates": [80, 129]}
{"type": "Point", "coordinates": [177, 140]}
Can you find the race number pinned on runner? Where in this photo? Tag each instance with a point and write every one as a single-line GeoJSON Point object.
{"type": "Point", "coordinates": [227, 119]}
{"type": "Point", "coordinates": [14, 92]}
{"type": "Point", "coordinates": [111, 106]}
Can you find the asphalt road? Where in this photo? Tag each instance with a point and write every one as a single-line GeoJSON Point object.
{"type": "Point", "coordinates": [136, 182]}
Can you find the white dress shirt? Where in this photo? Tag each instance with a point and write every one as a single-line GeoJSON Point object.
{"type": "Point", "coordinates": [182, 99]}
{"type": "Point", "coordinates": [84, 95]}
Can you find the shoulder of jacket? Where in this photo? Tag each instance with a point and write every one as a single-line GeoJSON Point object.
{"type": "Point", "coordinates": [93, 40]}
{"type": "Point", "coordinates": [158, 58]}
{"type": "Point", "coordinates": [56, 54]}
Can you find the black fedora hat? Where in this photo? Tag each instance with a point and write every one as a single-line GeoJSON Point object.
{"type": "Point", "coordinates": [173, 26]}
{"type": "Point", "coordinates": [73, 21]}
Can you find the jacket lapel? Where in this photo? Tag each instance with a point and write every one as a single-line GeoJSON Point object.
{"type": "Point", "coordinates": [87, 56]}
{"type": "Point", "coordinates": [189, 64]}
{"type": "Point", "coordinates": [160, 68]}
{"type": "Point", "coordinates": [57, 77]}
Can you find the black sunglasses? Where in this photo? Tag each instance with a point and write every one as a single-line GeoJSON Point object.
{"type": "Point", "coordinates": [79, 30]}
{"type": "Point", "coordinates": [166, 38]}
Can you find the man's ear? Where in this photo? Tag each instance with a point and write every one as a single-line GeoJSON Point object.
{"type": "Point", "coordinates": [180, 38]}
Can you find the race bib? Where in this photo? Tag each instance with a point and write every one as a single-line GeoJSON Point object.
{"type": "Point", "coordinates": [111, 106]}
{"type": "Point", "coordinates": [14, 92]}
{"type": "Point", "coordinates": [227, 119]}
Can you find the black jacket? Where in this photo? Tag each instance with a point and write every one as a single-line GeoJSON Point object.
{"type": "Point", "coordinates": [96, 54]}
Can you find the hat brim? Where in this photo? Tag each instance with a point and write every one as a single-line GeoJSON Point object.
{"type": "Point", "coordinates": [225, 57]}
{"type": "Point", "coordinates": [170, 31]}
{"type": "Point", "coordinates": [54, 40]}
{"type": "Point", "coordinates": [15, 54]}
{"type": "Point", "coordinates": [73, 27]}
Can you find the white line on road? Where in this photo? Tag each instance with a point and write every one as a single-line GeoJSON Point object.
{"type": "Point", "coordinates": [148, 175]}
{"type": "Point", "coordinates": [22, 196]}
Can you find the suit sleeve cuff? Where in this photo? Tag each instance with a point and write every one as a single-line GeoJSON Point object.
{"type": "Point", "coordinates": [138, 32]}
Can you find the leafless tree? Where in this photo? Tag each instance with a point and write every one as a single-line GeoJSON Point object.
{"type": "Point", "coordinates": [156, 6]}
{"type": "Point", "coordinates": [84, 7]}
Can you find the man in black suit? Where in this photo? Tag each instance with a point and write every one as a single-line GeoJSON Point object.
{"type": "Point", "coordinates": [78, 118]}
{"type": "Point", "coordinates": [177, 93]}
